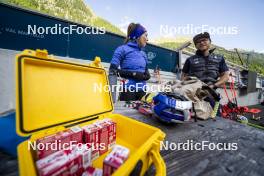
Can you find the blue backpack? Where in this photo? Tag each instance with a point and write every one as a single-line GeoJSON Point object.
{"type": "Point", "coordinates": [166, 108]}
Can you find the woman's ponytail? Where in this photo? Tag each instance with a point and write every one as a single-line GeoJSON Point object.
{"type": "Point", "coordinates": [130, 28]}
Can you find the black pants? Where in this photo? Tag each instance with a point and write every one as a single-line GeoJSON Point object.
{"type": "Point", "coordinates": [131, 96]}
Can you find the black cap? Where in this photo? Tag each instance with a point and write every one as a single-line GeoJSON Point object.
{"type": "Point", "coordinates": [200, 36]}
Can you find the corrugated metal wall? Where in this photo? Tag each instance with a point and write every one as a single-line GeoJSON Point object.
{"type": "Point", "coordinates": [14, 35]}
{"type": "Point", "coordinates": [80, 47]}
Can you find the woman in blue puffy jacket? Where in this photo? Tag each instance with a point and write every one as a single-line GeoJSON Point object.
{"type": "Point", "coordinates": [130, 62]}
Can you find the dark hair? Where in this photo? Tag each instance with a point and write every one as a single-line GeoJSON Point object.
{"type": "Point", "coordinates": [200, 36]}
{"type": "Point", "coordinates": [130, 28]}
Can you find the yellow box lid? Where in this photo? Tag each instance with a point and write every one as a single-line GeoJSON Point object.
{"type": "Point", "coordinates": [52, 92]}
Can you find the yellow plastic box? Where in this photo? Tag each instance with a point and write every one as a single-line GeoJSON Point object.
{"type": "Point", "coordinates": [53, 95]}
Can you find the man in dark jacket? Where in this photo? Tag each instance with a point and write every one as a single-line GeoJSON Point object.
{"type": "Point", "coordinates": [205, 65]}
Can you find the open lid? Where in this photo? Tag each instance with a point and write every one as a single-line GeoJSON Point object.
{"type": "Point", "coordinates": [53, 92]}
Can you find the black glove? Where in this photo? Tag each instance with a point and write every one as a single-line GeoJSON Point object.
{"type": "Point", "coordinates": [134, 75]}
{"type": "Point", "coordinates": [139, 76]}
{"type": "Point", "coordinates": [113, 70]}
{"type": "Point", "coordinates": [146, 75]}
{"type": "Point", "coordinates": [126, 74]}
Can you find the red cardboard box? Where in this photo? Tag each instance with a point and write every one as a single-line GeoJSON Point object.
{"type": "Point", "coordinates": [56, 142]}
{"type": "Point", "coordinates": [115, 159]}
{"type": "Point", "coordinates": [103, 136]}
{"type": "Point", "coordinates": [107, 134]}
{"type": "Point", "coordinates": [112, 133]}
{"type": "Point", "coordinates": [91, 138]}
{"type": "Point", "coordinates": [111, 163]}
{"type": "Point", "coordinates": [65, 162]}
{"type": "Point", "coordinates": [91, 171]}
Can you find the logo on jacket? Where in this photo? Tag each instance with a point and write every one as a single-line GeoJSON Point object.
{"type": "Point", "coordinates": [196, 61]}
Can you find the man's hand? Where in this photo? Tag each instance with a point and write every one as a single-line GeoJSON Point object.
{"type": "Point", "coordinates": [184, 76]}
{"type": "Point", "coordinates": [212, 86]}
{"type": "Point", "coordinates": [223, 79]}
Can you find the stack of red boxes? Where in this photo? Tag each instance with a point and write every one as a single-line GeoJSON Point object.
{"type": "Point", "coordinates": [98, 138]}
{"type": "Point", "coordinates": [65, 162]}
{"type": "Point", "coordinates": [115, 159]}
{"type": "Point", "coordinates": [101, 135]}
{"type": "Point", "coordinates": [91, 171]}
{"type": "Point", "coordinates": [107, 134]}
{"type": "Point", "coordinates": [73, 135]}
{"type": "Point", "coordinates": [91, 138]}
